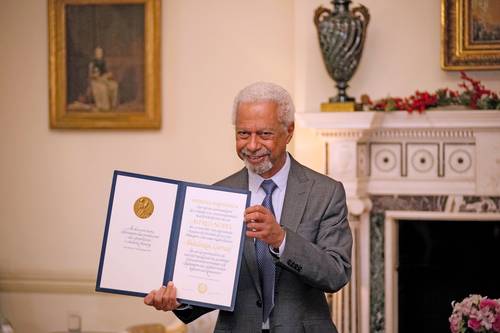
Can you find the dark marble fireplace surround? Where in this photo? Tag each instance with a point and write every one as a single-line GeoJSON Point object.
{"type": "Point", "coordinates": [383, 203]}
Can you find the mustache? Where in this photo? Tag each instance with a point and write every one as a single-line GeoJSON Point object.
{"type": "Point", "coordinates": [259, 153]}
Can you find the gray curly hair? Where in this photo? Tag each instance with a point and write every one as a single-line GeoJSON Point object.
{"type": "Point", "coordinates": [267, 92]}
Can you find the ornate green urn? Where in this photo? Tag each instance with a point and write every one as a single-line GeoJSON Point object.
{"type": "Point", "coordinates": [341, 34]}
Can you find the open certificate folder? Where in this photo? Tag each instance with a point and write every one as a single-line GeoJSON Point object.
{"type": "Point", "coordinates": [160, 230]}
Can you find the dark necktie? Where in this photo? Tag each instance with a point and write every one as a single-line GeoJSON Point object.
{"type": "Point", "coordinates": [265, 262]}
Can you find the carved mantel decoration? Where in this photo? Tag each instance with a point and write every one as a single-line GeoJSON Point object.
{"type": "Point", "coordinates": [451, 158]}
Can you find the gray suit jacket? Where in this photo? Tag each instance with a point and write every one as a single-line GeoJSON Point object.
{"type": "Point", "coordinates": [316, 259]}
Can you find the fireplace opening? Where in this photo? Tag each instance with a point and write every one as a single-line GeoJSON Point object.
{"type": "Point", "coordinates": [443, 261]}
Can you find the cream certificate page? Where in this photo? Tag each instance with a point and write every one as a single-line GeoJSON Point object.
{"type": "Point", "coordinates": [208, 248]}
{"type": "Point", "coordinates": [138, 235]}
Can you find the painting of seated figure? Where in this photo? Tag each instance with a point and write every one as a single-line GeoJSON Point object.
{"type": "Point", "coordinates": [104, 63]}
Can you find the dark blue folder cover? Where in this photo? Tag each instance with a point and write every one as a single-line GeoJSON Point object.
{"type": "Point", "coordinates": [174, 237]}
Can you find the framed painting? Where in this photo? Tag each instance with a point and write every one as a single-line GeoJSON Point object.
{"type": "Point", "coordinates": [470, 34]}
{"type": "Point", "coordinates": [104, 63]}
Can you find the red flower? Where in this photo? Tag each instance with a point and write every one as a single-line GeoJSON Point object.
{"type": "Point", "coordinates": [487, 303]}
{"type": "Point", "coordinates": [474, 94]}
{"type": "Point", "coordinates": [496, 323]}
{"type": "Point", "coordinates": [474, 324]}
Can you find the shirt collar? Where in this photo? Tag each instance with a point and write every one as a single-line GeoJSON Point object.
{"type": "Point", "coordinates": [280, 178]}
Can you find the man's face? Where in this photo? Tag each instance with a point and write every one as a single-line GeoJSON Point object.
{"type": "Point", "coordinates": [260, 138]}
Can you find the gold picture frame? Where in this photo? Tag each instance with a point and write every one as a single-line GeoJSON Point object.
{"type": "Point", "coordinates": [470, 34]}
{"type": "Point", "coordinates": [104, 64]}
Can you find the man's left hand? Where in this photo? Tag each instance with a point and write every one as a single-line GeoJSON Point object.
{"type": "Point", "coordinates": [262, 224]}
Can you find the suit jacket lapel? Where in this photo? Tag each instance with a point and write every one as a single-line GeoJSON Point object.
{"type": "Point", "coordinates": [297, 193]}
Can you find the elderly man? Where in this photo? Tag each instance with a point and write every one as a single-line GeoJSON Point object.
{"type": "Point", "coordinates": [298, 242]}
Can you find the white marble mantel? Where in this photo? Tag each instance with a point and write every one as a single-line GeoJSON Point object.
{"type": "Point", "coordinates": [400, 119]}
{"type": "Point", "coordinates": [434, 152]}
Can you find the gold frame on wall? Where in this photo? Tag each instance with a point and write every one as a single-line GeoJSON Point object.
{"type": "Point", "coordinates": [73, 88]}
{"type": "Point", "coordinates": [460, 50]}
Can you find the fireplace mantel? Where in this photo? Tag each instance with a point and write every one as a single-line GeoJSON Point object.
{"type": "Point", "coordinates": [370, 120]}
{"type": "Point", "coordinates": [435, 154]}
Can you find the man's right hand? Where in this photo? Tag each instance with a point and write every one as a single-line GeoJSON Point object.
{"type": "Point", "coordinates": [163, 299]}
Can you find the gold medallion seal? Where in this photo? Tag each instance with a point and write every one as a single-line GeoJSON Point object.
{"type": "Point", "coordinates": [143, 207]}
{"type": "Point", "coordinates": [202, 288]}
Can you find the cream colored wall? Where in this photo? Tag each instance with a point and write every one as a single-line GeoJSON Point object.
{"type": "Point", "coordinates": [401, 55]}
{"type": "Point", "coordinates": [55, 184]}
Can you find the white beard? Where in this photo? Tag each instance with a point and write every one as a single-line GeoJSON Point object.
{"type": "Point", "coordinates": [261, 168]}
